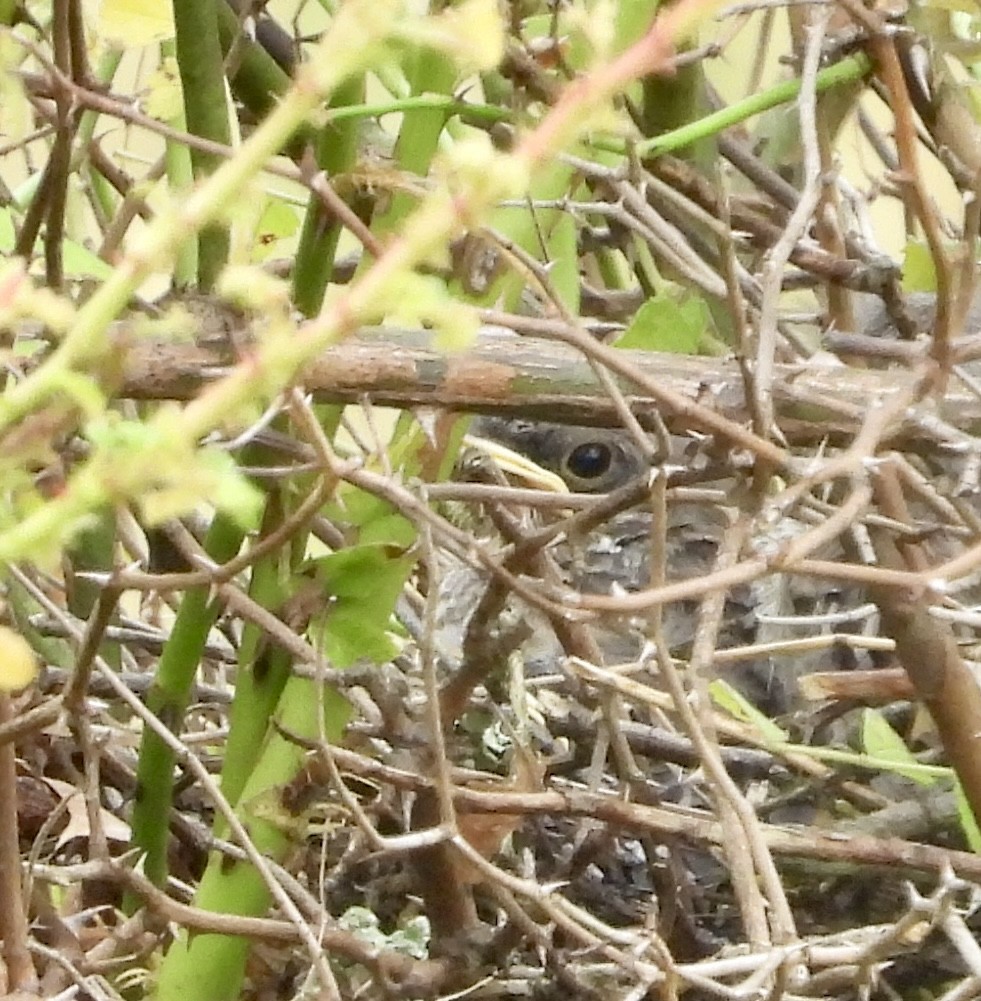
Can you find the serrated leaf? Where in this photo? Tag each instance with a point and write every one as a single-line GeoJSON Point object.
{"type": "Point", "coordinates": [880, 740]}
{"type": "Point", "coordinates": [737, 705]}
{"type": "Point", "coordinates": [377, 521]}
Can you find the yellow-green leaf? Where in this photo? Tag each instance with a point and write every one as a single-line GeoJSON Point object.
{"type": "Point", "coordinates": [726, 697]}
{"type": "Point", "coordinates": [880, 740]}
{"type": "Point", "coordinates": [134, 23]}
{"type": "Point", "coordinates": [18, 665]}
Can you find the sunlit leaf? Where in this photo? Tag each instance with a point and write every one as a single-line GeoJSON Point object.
{"type": "Point", "coordinates": [18, 665]}
{"type": "Point", "coordinates": [135, 23]}
{"type": "Point", "coordinates": [80, 262]}
{"type": "Point", "coordinates": [16, 116]}
{"type": "Point", "coordinates": [279, 221]}
{"type": "Point", "coordinates": [7, 232]}
{"type": "Point", "coordinates": [163, 99]}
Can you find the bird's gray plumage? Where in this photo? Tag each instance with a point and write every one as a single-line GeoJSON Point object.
{"type": "Point", "coordinates": [616, 555]}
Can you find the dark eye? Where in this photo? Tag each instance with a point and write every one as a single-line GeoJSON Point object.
{"type": "Point", "coordinates": [590, 460]}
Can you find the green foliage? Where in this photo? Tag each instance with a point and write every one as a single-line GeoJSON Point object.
{"type": "Point", "coordinates": [737, 705]}
{"type": "Point", "coordinates": [919, 270]}
{"type": "Point", "coordinates": [361, 585]}
{"type": "Point", "coordinates": [665, 324]}
{"type": "Point", "coordinates": [412, 130]}
{"type": "Point", "coordinates": [965, 817]}
{"type": "Point", "coordinates": [410, 939]}
{"type": "Point", "coordinates": [881, 741]}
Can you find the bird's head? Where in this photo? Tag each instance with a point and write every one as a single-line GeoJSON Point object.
{"type": "Point", "coordinates": [589, 460]}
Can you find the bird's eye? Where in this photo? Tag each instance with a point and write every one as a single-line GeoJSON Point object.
{"type": "Point", "coordinates": [590, 460]}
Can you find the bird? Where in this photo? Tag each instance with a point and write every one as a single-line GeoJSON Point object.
{"type": "Point", "coordinates": [589, 460]}
{"type": "Point", "coordinates": [615, 557]}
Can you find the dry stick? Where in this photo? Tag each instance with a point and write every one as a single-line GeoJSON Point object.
{"type": "Point", "coordinates": [882, 43]}
{"type": "Point", "coordinates": [666, 822]}
{"type": "Point", "coordinates": [390, 966]}
{"type": "Point", "coordinates": [927, 649]}
{"type": "Point", "coordinates": [786, 841]}
{"type": "Point", "coordinates": [503, 374]}
{"type": "Point", "coordinates": [77, 711]}
{"type": "Point", "coordinates": [193, 763]}
{"type": "Point", "coordinates": [574, 637]}
{"type": "Point", "coordinates": [136, 580]}
{"type": "Point", "coordinates": [304, 174]}
{"type": "Point", "coordinates": [610, 389]}
{"type": "Point", "coordinates": [306, 420]}
{"type": "Point", "coordinates": [696, 714]}
{"type": "Point", "coordinates": [851, 464]}
{"type": "Point", "coordinates": [33, 720]}
{"type": "Point", "coordinates": [450, 903]}
{"type": "Point", "coordinates": [737, 303]}
{"type": "Point", "coordinates": [588, 930]}
{"type": "Point", "coordinates": [666, 240]}
{"type": "Point", "coordinates": [778, 255]}
{"type": "Point", "coordinates": [14, 930]}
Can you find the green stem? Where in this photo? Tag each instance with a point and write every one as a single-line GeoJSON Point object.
{"type": "Point", "coordinates": [200, 60]}
{"type": "Point", "coordinates": [848, 70]}
{"type": "Point", "coordinates": [206, 967]}
{"type": "Point", "coordinates": [337, 152]}
{"type": "Point", "coordinates": [168, 699]}
{"type": "Point", "coordinates": [447, 106]}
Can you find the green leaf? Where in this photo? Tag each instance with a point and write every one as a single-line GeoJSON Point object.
{"type": "Point", "coordinates": [919, 273]}
{"type": "Point", "coordinates": [362, 584]}
{"type": "Point", "coordinates": [968, 822]}
{"type": "Point", "coordinates": [378, 522]}
{"type": "Point", "coordinates": [82, 263]}
{"type": "Point", "coordinates": [662, 324]}
{"type": "Point", "coordinates": [135, 23]}
{"type": "Point", "coordinates": [737, 705]}
{"type": "Point", "coordinates": [376, 519]}
{"type": "Point", "coordinates": [880, 740]}
{"type": "Point", "coordinates": [8, 235]}
{"type": "Point", "coordinates": [279, 221]}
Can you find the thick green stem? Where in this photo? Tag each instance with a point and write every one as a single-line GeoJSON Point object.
{"type": "Point", "coordinates": [212, 967]}
{"type": "Point", "coordinates": [168, 699]}
{"type": "Point", "coordinates": [337, 153]}
{"type": "Point", "coordinates": [200, 60]}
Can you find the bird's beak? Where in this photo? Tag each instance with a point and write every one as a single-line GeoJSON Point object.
{"type": "Point", "coordinates": [516, 464]}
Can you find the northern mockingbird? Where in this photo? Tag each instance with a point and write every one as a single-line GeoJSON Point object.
{"type": "Point", "coordinates": [615, 557]}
